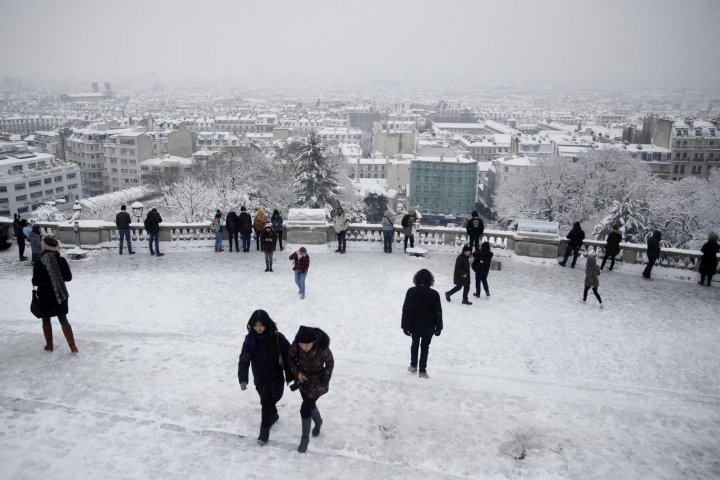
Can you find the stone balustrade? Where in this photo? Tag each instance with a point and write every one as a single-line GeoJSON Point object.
{"type": "Point", "coordinates": [96, 233]}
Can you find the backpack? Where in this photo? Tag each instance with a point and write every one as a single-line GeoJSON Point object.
{"type": "Point", "coordinates": [215, 226]}
{"type": "Point", "coordinates": [259, 225]}
{"type": "Point", "coordinates": [475, 265]}
{"type": "Point", "coordinates": [148, 224]}
{"type": "Point", "coordinates": [405, 222]}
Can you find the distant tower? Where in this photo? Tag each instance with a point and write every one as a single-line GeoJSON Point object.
{"type": "Point", "coordinates": [95, 87]}
{"type": "Point", "coordinates": [108, 90]}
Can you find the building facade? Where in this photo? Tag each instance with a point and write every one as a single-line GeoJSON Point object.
{"type": "Point", "coordinates": [440, 185]}
{"type": "Point", "coordinates": [123, 154]}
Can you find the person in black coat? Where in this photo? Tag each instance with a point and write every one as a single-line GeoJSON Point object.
{"type": "Point", "coordinates": [461, 276]}
{"type": "Point", "coordinates": [708, 263]}
{"type": "Point", "coordinates": [575, 241]}
{"type": "Point", "coordinates": [245, 224]}
{"type": "Point", "coordinates": [475, 228]}
{"type": "Point", "coordinates": [19, 235]}
{"type": "Point", "coordinates": [265, 350]}
{"type": "Point", "coordinates": [232, 225]}
{"type": "Point", "coordinates": [481, 264]}
{"type": "Point", "coordinates": [612, 247]}
{"type": "Point", "coordinates": [152, 226]}
{"type": "Point", "coordinates": [421, 318]}
{"type": "Point", "coordinates": [49, 276]}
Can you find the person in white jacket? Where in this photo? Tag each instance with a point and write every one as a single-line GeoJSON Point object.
{"type": "Point", "coordinates": [340, 224]}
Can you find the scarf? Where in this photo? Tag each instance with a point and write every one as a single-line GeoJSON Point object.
{"type": "Point", "coordinates": [49, 260]}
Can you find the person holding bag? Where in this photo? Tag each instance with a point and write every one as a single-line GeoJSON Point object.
{"type": "Point", "coordinates": [51, 297]}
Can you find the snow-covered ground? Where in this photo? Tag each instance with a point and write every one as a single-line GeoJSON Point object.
{"type": "Point", "coordinates": [528, 383]}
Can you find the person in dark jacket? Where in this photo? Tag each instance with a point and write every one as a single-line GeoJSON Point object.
{"type": "Point", "coordinates": [232, 224]}
{"type": "Point", "coordinates": [267, 240]}
{"type": "Point", "coordinates": [265, 349]}
{"type": "Point", "coordinates": [612, 247]}
{"type": "Point", "coordinates": [19, 235]}
{"type": "Point", "coordinates": [592, 278]}
{"type": "Point", "coordinates": [49, 276]}
{"type": "Point", "coordinates": [301, 265]}
{"type": "Point", "coordinates": [276, 220]}
{"type": "Point", "coordinates": [246, 228]}
{"type": "Point", "coordinates": [653, 252]}
{"type": "Point", "coordinates": [574, 244]}
{"type": "Point", "coordinates": [408, 229]}
{"type": "Point", "coordinates": [481, 264]}
{"type": "Point", "coordinates": [708, 263]}
{"type": "Point", "coordinates": [421, 319]}
{"type": "Point", "coordinates": [475, 228]}
{"type": "Point", "coordinates": [152, 226]}
{"type": "Point", "coordinates": [461, 276]}
{"type": "Point", "coordinates": [35, 239]}
{"type": "Point", "coordinates": [311, 363]}
{"type": "Point", "coordinates": [122, 222]}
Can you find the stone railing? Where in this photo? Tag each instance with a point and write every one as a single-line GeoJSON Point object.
{"type": "Point", "coordinates": [104, 234]}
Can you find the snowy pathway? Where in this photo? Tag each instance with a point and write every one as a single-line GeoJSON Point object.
{"type": "Point", "coordinates": [528, 383]}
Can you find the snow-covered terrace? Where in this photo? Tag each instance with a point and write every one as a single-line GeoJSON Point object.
{"type": "Point", "coordinates": [528, 383]}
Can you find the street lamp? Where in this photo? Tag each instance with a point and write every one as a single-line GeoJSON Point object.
{"type": "Point", "coordinates": [76, 215]}
{"type": "Point", "coordinates": [137, 209]}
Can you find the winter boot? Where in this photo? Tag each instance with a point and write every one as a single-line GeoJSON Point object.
{"type": "Point", "coordinates": [466, 302]}
{"type": "Point", "coordinates": [305, 438]}
{"type": "Point", "coordinates": [264, 435]}
{"type": "Point", "coordinates": [317, 420]}
{"type": "Point", "coordinates": [47, 330]}
{"type": "Point", "coordinates": [275, 418]}
{"type": "Point", "coordinates": [67, 330]}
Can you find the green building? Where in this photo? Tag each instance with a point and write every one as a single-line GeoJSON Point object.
{"type": "Point", "coordinates": [443, 185]}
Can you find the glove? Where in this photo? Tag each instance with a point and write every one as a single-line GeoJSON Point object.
{"type": "Point", "coordinates": [243, 386]}
{"type": "Point", "coordinates": [437, 333]}
{"type": "Point", "coordinates": [407, 332]}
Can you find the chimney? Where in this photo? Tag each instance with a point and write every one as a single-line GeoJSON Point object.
{"type": "Point", "coordinates": [95, 87]}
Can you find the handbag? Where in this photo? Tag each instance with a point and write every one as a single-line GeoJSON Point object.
{"type": "Point", "coordinates": [35, 306]}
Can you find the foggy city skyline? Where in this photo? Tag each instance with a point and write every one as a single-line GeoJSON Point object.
{"type": "Point", "coordinates": [606, 44]}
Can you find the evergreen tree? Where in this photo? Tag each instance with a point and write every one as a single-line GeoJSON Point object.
{"type": "Point", "coordinates": [375, 206]}
{"type": "Point", "coordinates": [631, 215]}
{"type": "Point", "coordinates": [315, 184]}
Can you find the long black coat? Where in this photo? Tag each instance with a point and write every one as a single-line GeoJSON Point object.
{"type": "Point", "coordinates": [263, 353]}
{"type": "Point", "coordinates": [245, 222]}
{"type": "Point", "coordinates": [461, 275]}
{"type": "Point", "coordinates": [49, 306]}
{"type": "Point", "coordinates": [613, 242]}
{"type": "Point", "coordinates": [153, 221]}
{"type": "Point", "coordinates": [232, 222]}
{"type": "Point", "coordinates": [422, 311]}
{"type": "Point", "coordinates": [482, 260]}
{"type": "Point", "coordinates": [708, 263]}
{"type": "Point", "coordinates": [575, 237]}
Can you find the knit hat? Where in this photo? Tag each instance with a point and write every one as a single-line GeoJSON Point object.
{"type": "Point", "coordinates": [50, 244]}
{"type": "Point", "coordinates": [466, 248]}
{"type": "Point", "coordinates": [305, 335]}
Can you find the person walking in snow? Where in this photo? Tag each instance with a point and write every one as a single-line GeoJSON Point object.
{"type": "Point", "coordinates": [277, 225]}
{"type": "Point", "coordinates": [122, 222]}
{"type": "Point", "coordinates": [35, 239]}
{"type": "Point", "coordinates": [152, 227]}
{"type": "Point", "coordinates": [268, 239]}
{"type": "Point", "coordinates": [232, 225]}
{"type": "Point", "coordinates": [408, 229]}
{"type": "Point", "coordinates": [50, 275]}
{"type": "Point", "coordinates": [301, 265]}
{"type": "Point", "coordinates": [575, 240]}
{"type": "Point", "coordinates": [461, 276]}
{"type": "Point", "coordinates": [341, 224]}
{"type": "Point", "coordinates": [217, 226]}
{"type": "Point", "coordinates": [653, 252]}
{"type": "Point", "coordinates": [388, 231]}
{"type": "Point", "coordinates": [612, 247]}
{"type": "Point", "coordinates": [421, 319]}
{"type": "Point", "coordinates": [311, 363]}
{"type": "Point", "coordinates": [481, 265]}
{"type": "Point", "coordinates": [18, 224]}
{"type": "Point", "coordinates": [259, 226]}
{"type": "Point", "coordinates": [475, 228]}
{"type": "Point", "coordinates": [246, 228]}
{"type": "Point", "coordinates": [265, 349]}
{"type": "Point", "coordinates": [592, 278]}
{"type": "Point", "coordinates": [708, 262]}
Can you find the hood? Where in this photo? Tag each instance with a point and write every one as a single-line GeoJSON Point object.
{"type": "Point", "coordinates": [657, 235]}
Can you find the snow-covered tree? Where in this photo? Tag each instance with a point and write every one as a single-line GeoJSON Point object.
{"type": "Point", "coordinates": [48, 213]}
{"type": "Point", "coordinates": [631, 215]}
{"type": "Point", "coordinates": [315, 183]}
{"type": "Point", "coordinates": [190, 199]}
{"type": "Point", "coordinates": [375, 206]}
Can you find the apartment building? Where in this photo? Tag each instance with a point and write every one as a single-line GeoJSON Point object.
{"type": "Point", "coordinates": [340, 135]}
{"type": "Point", "coordinates": [123, 153]}
{"type": "Point", "coordinates": [486, 148]}
{"type": "Point", "coordinates": [52, 142]}
{"type": "Point", "coordinates": [28, 124]}
{"type": "Point", "coordinates": [695, 147]}
{"type": "Point", "coordinates": [368, 168]}
{"type": "Point", "coordinates": [443, 185]}
{"type": "Point", "coordinates": [29, 179]}
{"type": "Point", "coordinates": [86, 147]}
{"type": "Point", "coordinates": [164, 165]}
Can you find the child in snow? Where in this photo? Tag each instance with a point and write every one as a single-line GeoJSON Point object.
{"type": "Point", "coordinates": [592, 278]}
{"type": "Point", "coordinates": [301, 264]}
{"type": "Point", "coordinates": [311, 363]}
{"type": "Point", "coordinates": [268, 239]}
{"type": "Point", "coordinates": [265, 349]}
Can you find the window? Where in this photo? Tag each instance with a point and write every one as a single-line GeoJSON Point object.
{"type": "Point", "coordinates": [19, 186]}
{"type": "Point", "coordinates": [35, 183]}
{"type": "Point", "coordinates": [3, 188]}
{"type": "Point", "coordinates": [72, 186]}
{"type": "Point", "coordinates": [21, 198]}
{"type": "Point", "coordinates": [49, 192]}
{"type": "Point", "coordinates": [36, 194]}
{"type": "Point", "coordinates": [59, 179]}
{"type": "Point", "coordinates": [70, 176]}
{"type": "Point", "coordinates": [59, 189]}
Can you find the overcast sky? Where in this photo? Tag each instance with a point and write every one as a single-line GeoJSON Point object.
{"type": "Point", "coordinates": [571, 41]}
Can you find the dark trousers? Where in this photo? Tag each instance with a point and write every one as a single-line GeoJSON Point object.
{"type": "Point", "coordinates": [456, 288]}
{"type": "Point", "coordinates": [709, 278]}
{"type": "Point", "coordinates": [342, 240]}
{"type": "Point", "coordinates": [125, 233]}
{"type": "Point", "coordinates": [612, 260]}
{"type": "Point", "coordinates": [594, 289]}
{"type": "Point", "coordinates": [61, 318]}
{"type": "Point", "coordinates": [233, 236]}
{"type": "Point", "coordinates": [154, 237]}
{"type": "Point", "coordinates": [474, 240]}
{"type": "Point", "coordinates": [481, 277]}
{"type": "Point", "coordinates": [649, 266]}
{"type": "Point", "coordinates": [307, 406]}
{"type": "Point", "coordinates": [21, 246]}
{"type": "Point", "coordinates": [412, 241]}
{"type": "Point", "coordinates": [257, 240]}
{"type": "Point", "coordinates": [388, 240]}
{"type": "Point", "coordinates": [246, 240]}
{"type": "Point", "coordinates": [575, 253]}
{"type": "Point", "coordinates": [278, 234]}
{"type": "Point", "coordinates": [268, 399]}
{"type": "Point", "coordinates": [422, 342]}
